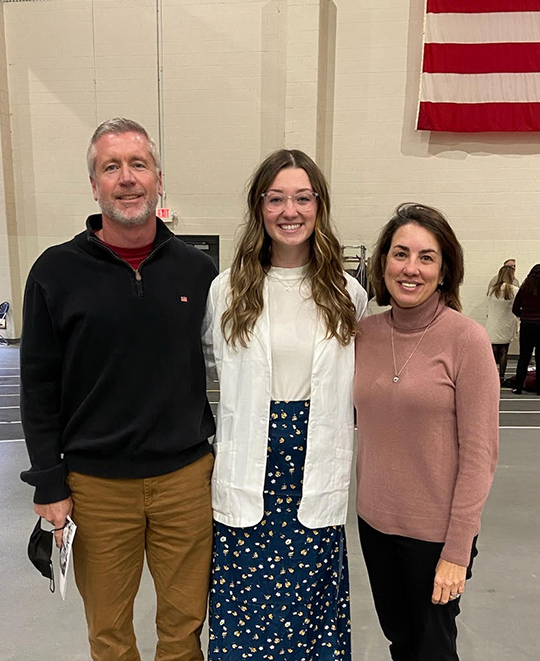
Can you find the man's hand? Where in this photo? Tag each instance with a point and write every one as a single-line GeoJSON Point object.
{"type": "Point", "coordinates": [56, 513]}
{"type": "Point", "coordinates": [449, 582]}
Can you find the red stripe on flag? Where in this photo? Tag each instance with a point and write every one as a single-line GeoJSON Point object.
{"type": "Point", "coordinates": [482, 58]}
{"type": "Point", "coordinates": [480, 6]}
{"type": "Point", "coordinates": [479, 117]}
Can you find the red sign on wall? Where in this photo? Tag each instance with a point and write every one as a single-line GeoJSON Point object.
{"type": "Point", "coordinates": [164, 213]}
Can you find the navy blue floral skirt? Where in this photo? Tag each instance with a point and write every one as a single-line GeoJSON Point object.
{"type": "Point", "coordinates": [280, 590]}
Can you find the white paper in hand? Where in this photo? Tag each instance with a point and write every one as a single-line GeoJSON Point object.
{"type": "Point", "coordinates": [65, 553]}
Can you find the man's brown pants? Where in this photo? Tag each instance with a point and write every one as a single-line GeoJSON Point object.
{"type": "Point", "coordinates": [169, 517]}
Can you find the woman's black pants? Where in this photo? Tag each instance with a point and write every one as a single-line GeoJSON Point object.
{"type": "Point", "coordinates": [401, 573]}
{"type": "Point", "coordinates": [529, 339]}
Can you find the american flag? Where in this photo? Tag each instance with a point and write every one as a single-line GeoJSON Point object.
{"type": "Point", "coordinates": [481, 67]}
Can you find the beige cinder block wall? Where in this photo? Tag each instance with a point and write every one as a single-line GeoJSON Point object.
{"type": "Point", "coordinates": [487, 184]}
{"type": "Point", "coordinates": [9, 262]}
{"type": "Point", "coordinates": [238, 79]}
{"type": "Point", "coordinates": [241, 80]}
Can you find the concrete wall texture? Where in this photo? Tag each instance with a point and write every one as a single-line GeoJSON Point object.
{"type": "Point", "coordinates": [223, 84]}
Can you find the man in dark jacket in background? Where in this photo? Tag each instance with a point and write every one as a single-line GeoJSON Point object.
{"type": "Point", "coordinates": [114, 404]}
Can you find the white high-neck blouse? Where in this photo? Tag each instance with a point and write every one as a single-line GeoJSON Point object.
{"type": "Point", "coordinates": [293, 323]}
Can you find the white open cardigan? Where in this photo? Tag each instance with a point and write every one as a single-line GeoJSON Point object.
{"type": "Point", "coordinates": [240, 443]}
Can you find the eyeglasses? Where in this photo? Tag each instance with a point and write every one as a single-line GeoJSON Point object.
{"type": "Point", "coordinates": [303, 201]}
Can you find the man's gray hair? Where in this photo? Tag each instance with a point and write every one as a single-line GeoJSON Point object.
{"type": "Point", "coordinates": [119, 125]}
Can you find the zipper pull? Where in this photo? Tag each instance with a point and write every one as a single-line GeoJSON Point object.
{"type": "Point", "coordinates": [138, 276]}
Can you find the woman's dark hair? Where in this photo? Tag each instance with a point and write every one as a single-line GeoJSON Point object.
{"type": "Point", "coordinates": [431, 219]}
{"type": "Point", "coordinates": [531, 284]}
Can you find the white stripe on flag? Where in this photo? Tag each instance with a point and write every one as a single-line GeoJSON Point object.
{"type": "Point", "coordinates": [496, 27]}
{"type": "Point", "coordinates": [481, 88]}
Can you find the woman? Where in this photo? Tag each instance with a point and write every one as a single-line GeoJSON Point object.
{"type": "Point", "coordinates": [527, 308]}
{"type": "Point", "coordinates": [281, 323]}
{"type": "Point", "coordinates": [501, 323]}
{"type": "Point", "coordinates": [427, 394]}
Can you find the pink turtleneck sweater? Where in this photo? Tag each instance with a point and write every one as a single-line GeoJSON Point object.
{"type": "Point", "coordinates": [428, 444]}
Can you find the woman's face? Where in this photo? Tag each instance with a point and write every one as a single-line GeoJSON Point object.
{"type": "Point", "coordinates": [412, 268]}
{"type": "Point", "coordinates": [289, 211]}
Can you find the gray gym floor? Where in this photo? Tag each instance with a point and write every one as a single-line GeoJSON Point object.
{"type": "Point", "coordinates": [501, 608]}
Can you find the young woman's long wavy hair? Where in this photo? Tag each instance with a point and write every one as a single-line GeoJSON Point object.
{"type": "Point", "coordinates": [531, 284]}
{"type": "Point", "coordinates": [253, 257]}
{"type": "Point", "coordinates": [431, 219]}
{"type": "Point", "coordinates": [502, 287]}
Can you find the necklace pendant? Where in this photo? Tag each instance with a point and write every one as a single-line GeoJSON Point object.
{"type": "Point", "coordinates": [396, 379]}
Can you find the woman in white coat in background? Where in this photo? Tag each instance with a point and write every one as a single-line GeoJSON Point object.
{"type": "Point", "coordinates": [501, 323]}
{"type": "Point", "coordinates": [279, 328]}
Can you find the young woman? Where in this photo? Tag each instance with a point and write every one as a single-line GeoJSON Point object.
{"type": "Point", "coordinates": [501, 323]}
{"type": "Point", "coordinates": [427, 396]}
{"type": "Point", "coordinates": [527, 308]}
{"type": "Point", "coordinates": [280, 325]}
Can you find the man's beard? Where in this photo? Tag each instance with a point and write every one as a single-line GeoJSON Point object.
{"type": "Point", "coordinates": [126, 218]}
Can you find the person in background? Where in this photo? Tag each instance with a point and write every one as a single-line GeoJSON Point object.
{"type": "Point", "coordinates": [511, 263]}
{"type": "Point", "coordinates": [280, 327]}
{"type": "Point", "coordinates": [501, 323]}
{"type": "Point", "coordinates": [114, 407]}
{"type": "Point", "coordinates": [527, 308]}
{"type": "Point", "coordinates": [427, 400]}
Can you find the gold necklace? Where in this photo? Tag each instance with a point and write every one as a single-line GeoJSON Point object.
{"type": "Point", "coordinates": [289, 284]}
{"type": "Point", "coordinates": [397, 373]}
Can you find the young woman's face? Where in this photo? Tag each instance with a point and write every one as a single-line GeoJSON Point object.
{"type": "Point", "coordinates": [289, 211]}
{"type": "Point", "coordinates": [413, 265]}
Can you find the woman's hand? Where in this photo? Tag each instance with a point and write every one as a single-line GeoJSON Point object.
{"type": "Point", "coordinates": [449, 582]}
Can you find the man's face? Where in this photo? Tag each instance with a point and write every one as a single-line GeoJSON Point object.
{"type": "Point", "coordinates": [126, 184]}
{"type": "Point", "coordinates": [511, 263]}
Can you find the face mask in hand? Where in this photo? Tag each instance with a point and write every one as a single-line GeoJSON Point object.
{"type": "Point", "coordinates": [40, 551]}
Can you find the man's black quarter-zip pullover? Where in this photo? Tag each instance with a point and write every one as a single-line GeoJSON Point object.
{"type": "Point", "coordinates": [112, 370]}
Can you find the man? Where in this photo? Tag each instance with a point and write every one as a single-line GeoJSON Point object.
{"type": "Point", "coordinates": [114, 403]}
{"type": "Point", "coordinates": [512, 264]}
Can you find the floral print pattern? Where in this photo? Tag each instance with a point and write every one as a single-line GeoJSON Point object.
{"type": "Point", "coordinates": [280, 590]}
